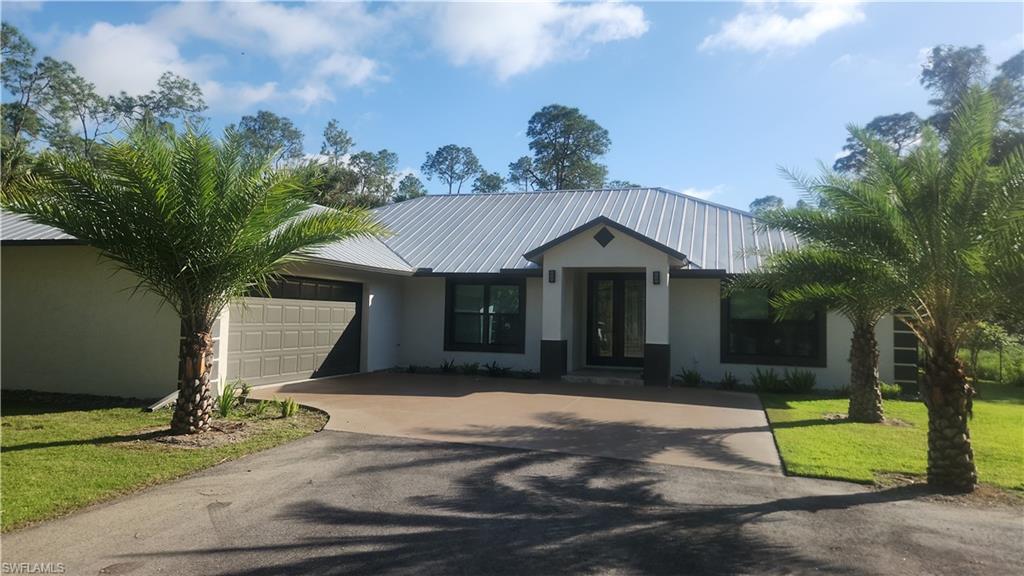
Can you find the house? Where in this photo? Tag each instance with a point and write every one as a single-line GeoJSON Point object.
{"type": "Point", "coordinates": [552, 282]}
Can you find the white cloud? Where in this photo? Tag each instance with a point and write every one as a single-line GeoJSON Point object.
{"type": "Point", "coordinates": [321, 43]}
{"type": "Point", "coordinates": [127, 57]}
{"type": "Point", "coordinates": [764, 27]}
{"type": "Point", "coordinates": [703, 193]}
{"type": "Point", "coordinates": [516, 38]}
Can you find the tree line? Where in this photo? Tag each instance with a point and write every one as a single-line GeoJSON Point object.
{"type": "Point", "coordinates": [49, 106]}
{"type": "Point", "coordinates": [947, 73]}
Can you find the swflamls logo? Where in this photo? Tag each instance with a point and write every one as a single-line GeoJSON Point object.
{"type": "Point", "coordinates": [32, 568]}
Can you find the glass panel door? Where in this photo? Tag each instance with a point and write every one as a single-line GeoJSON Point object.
{"type": "Point", "coordinates": [634, 314]}
{"type": "Point", "coordinates": [615, 323]}
{"type": "Point", "coordinates": [602, 325]}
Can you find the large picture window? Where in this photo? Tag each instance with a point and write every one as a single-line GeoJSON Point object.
{"type": "Point", "coordinates": [485, 315]}
{"type": "Point", "coordinates": [752, 335]}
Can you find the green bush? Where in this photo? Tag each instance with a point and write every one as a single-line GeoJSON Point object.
{"type": "Point", "coordinates": [495, 370]}
{"type": "Point", "coordinates": [289, 407]}
{"type": "Point", "coordinates": [448, 366]}
{"type": "Point", "coordinates": [767, 381]}
{"type": "Point", "coordinates": [799, 381]}
{"type": "Point", "coordinates": [689, 378]}
{"type": "Point", "coordinates": [470, 368]}
{"type": "Point", "coordinates": [243, 392]}
{"type": "Point", "coordinates": [226, 400]}
{"type": "Point", "coordinates": [729, 381]}
{"type": "Point", "coordinates": [261, 408]}
{"type": "Point", "coordinates": [890, 391]}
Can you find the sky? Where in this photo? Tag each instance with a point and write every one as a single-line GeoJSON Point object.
{"type": "Point", "coordinates": [708, 99]}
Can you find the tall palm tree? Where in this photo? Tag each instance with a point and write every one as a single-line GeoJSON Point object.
{"type": "Point", "coordinates": [817, 276]}
{"type": "Point", "coordinates": [196, 220]}
{"type": "Point", "coordinates": [946, 221]}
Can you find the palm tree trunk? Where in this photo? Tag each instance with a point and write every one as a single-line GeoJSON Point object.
{"type": "Point", "coordinates": [194, 406]}
{"type": "Point", "coordinates": [865, 395]}
{"type": "Point", "coordinates": [948, 395]}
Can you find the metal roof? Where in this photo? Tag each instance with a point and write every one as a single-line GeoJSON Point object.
{"type": "Point", "coordinates": [487, 233]}
{"type": "Point", "coordinates": [366, 252]}
{"type": "Point", "coordinates": [18, 228]}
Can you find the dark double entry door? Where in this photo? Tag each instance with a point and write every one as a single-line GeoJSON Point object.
{"type": "Point", "coordinates": [616, 310]}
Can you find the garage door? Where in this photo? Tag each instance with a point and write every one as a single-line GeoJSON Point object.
{"type": "Point", "coordinates": [307, 328]}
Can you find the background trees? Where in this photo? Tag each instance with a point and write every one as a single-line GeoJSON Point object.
{"type": "Point", "coordinates": [266, 134]}
{"type": "Point", "coordinates": [488, 182]}
{"type": "Point", "coordinates": [765, 203]}
{"type": "Point", "coordinates": [566, 145]}
{"type": "Point", "coordinates": [947, 73]}
{"type": "Point", "coordinates": [452, 165]}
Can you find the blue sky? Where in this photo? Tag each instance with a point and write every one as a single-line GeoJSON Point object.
{"type": "Point", "coordinates": [708, 98]}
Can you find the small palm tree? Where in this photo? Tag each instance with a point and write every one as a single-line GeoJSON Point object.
{"type": "Point", "coordinates": [196, 220]}
{"type": "Point", "coordinates": [817, 276]}
{"type": "Point", "coordinates": [947, 223]}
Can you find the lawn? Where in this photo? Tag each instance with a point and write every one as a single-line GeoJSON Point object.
{"type": "Point", "coordinates": [813, 445]}
{"type": "Point", "coordinates": [59, 454]}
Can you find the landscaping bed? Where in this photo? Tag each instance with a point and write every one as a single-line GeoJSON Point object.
{"type": "Point", "coordinates": [61, 452]}
{"type": "Point", "coordinates": [813, 442]}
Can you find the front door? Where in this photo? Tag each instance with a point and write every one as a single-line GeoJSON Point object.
{"type": "Point", "coordinates": [615, 319]}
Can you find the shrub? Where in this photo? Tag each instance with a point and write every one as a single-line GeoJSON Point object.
{"type": "Point", "coordinates": [689, 378]}
{"type": "Point", "coordinates": [448, 366]}
{"type": "Point", "coordinates": [412, 369]}
{"type": "Point", "coordinates": [799, 381]}
{"type": "Point", "coordinates": [470, 368]}
{"type": "Point", "coordinates": [495, 370]}
{"type": "Point", "coordinates": [289, 407]}
{"type": "Point", "coordinates": [243, 392]}
{"type": "Point", "coordinates": [261, 408]}
{"type": "Point", "coordinates": [766, 380]}
{"type": "Point", "coordinates": [729, 381]}
{"type": "Point", "coordinates": [226, 400]}
{"type": "Point", "coordinates": [890, 391]}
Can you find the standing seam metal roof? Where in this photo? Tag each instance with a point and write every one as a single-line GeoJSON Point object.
{"type": "Point", "coordinates": [488, 233]}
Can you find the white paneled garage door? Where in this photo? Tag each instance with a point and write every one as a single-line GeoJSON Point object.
{"type": "Point", "coordinates": [282, 339]}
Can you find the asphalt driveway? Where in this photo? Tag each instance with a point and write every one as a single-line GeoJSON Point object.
{"type": "Point", "coordinates": [678, 426]}
{"type": "Point", "coordinates": [342, 503]}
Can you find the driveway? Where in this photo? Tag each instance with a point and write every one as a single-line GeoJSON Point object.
{"type": "Point", "coordinates": [677, 426]}
{"type": "Point", "coordinates": [339, 503]}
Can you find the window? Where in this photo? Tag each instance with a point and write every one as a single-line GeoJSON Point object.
{"type": "Point", "coordinates": [485, 315]}
{"type": "Point", "coordinates": [751, 334]}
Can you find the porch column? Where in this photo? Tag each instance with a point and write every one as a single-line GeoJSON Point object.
{"type": "Point", "coordinates": [657, 359]}
{"type": "Point", "coordinates": [554, 347]}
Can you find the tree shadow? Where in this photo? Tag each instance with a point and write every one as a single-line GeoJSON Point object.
{"type": "Point", "coordinates": [99, 440]}
{"type": "Point", "coordinates": [508, 511]}
{"type": "Point", "coordinates": [572, 434]}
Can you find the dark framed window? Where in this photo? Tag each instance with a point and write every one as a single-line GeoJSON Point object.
{"type": "Point", "coordinates": [486, 315]}
{"type": "Point", "coordinates": [752, 335]}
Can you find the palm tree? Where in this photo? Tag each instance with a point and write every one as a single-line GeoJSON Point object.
{"type": "Point", "coordinates": [947, 222]}
{"type": "Point", "coordinates": [197, 221]}
{"type": "Point", "coordinates": [817, 276]}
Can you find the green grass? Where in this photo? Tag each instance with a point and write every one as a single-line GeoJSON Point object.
{"type": "Point", "coordinates": [57, 458]}
{"type": "Point", "coordinates": [810, 445]}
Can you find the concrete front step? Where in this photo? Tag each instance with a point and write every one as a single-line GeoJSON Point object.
{"type": "Point", "coordinates": [605, 377]}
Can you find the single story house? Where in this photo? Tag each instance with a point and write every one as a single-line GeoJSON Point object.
{"type": "Point", "coordinates": [554, 282]}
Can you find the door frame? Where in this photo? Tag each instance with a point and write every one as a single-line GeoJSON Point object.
{"type": "Point", "coordinates": [618, 319]}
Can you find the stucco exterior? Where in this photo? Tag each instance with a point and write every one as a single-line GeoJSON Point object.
{"type": "Point", "coordinates": [696, 338]}
{"type": "Point", "coordinates": [71, 324]}
{"type": "Point", "coordinates": [422, 328]}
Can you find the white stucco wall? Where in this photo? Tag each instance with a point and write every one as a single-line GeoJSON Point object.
{"type": "Point", "coordinates": [422, 328]}
{"type": "Point", "coordinates": [70, 324]}
{"type": "Point", "coordinates": [696, 335]}
{"type": "Point", "coordinates": [623, 253]}
{"type": "Point", "coordinates": [382, 310]}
